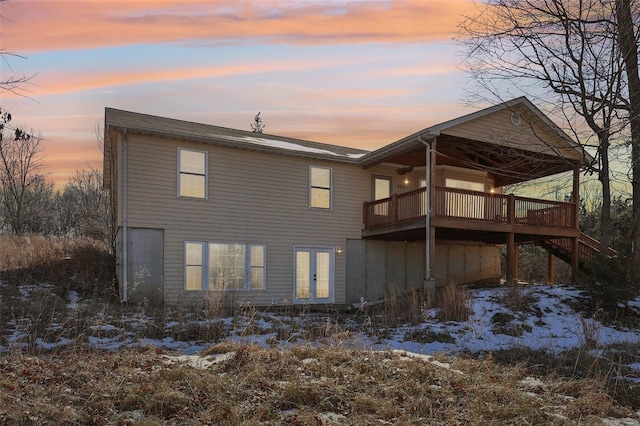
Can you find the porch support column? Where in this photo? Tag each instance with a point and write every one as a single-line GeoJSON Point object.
{"type": "Point", "coordinates": [550, 268]}
{"type": "Point", "coordinates": [512, 259]}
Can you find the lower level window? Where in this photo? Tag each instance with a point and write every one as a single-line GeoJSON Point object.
{"type": "Point", "coordinates": [217, 266]}
{"type": "Point", "coordinates": [193, 265]}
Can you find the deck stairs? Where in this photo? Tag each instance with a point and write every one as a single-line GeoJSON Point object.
{"type": "Point", "coordinates": [588, 249]}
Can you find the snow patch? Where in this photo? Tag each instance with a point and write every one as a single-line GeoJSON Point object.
{"type": "Point", "coordinates": [275, 143]}
{"type": "Point", "coordinates": [531, 382]}
{"type": "Point", "coordinates": [199, 362]}
{"type": "Point", "coordinates": [426, 358]}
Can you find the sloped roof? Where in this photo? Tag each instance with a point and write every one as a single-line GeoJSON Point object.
{"type": "Point", "coordinates": [513, 141]}
{"type": "Point", "coordinates": [234, 138]}
{"type": "Point", "coordinates": [483, 140]}
{"type": "Point", "coordinates": [417, 139]}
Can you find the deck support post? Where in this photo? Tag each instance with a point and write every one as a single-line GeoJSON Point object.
{"type": "Point", "coordinates": [512, 255]}
{"type": "Point", "coordinates": [575, 261]}
{"type": "Point", "coordinates": [512, 259]}
{"type": "Point", "coordinates": [550, 268]}
{"type": "Point", "coordinates": [515, 263]}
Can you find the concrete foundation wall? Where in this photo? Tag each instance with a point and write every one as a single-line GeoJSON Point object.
{"type": "Point", "coordinates": [463, 263]}
{"type": "Point", "coordinates": [376, 268]}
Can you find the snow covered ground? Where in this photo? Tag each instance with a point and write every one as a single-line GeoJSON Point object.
{"type": "Point", "coordinates": [530, 317]}
{"type": "Point", "coordinates": [548, 323]}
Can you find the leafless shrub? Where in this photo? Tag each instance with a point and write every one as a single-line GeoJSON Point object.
{"type": "Point", "coordinates": [590, 332]}
{"type": "Point", "coordinates": [214, 304]}
{"type": "Point", "coordinates": [454, 303]}
{"type": "Point", "coordinates": [517, 298]}
{"type": "Point", "coordinates": [399, 307]}
{"type": "Point", "coordinates": [83, 262]}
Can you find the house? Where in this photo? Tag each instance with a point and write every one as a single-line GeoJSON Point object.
{"type": "Point", "coordinates": [273, 220]}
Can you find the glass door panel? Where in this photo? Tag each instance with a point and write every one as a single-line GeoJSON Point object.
{"type": "Point", "coordinates": [323, 271]}
{"type": "Point", "coordinates": [303, 274]}
{"type": "Point", "coordinates": [381, 189]}
{"type": "Point", "coordinates": [314, 275]}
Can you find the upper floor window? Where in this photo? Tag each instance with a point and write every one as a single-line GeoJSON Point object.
{"type": "Point", "coordinates": [381, 187]}
{"type": "Point", "coordinates": [192, 173]}
{"type": "Point", "coordinates": [320, 187]}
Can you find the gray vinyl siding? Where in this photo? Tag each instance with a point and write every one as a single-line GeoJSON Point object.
{"type": "Point", "coordinates": [253, 197]}
{"type": "Point", "coordinates": [497, 128]}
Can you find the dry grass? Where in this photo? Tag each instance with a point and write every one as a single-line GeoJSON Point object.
{"type": "Point", "coordinates": [302, 386]}
{"type": "Point", "coordinates": [78, 383]}
{"type": "Point", "coordinates": [399, 307]}
{"type": "Point", "coordinates": [79, 262]}
{"type": "Point", "coordinates": [517, 298]}
{"type": "Point", "coordinates": [454, 303]}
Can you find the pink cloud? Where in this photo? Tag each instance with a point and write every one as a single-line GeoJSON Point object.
{"type": "Point", "coordinates": [67, 82]}
{"type": "Point", "coordinates": [62, 157]}
{"type": "Point", "coordinates": [91, 24]}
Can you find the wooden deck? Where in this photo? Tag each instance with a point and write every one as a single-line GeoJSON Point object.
{"type": "Point", "coordinates": [469, 214]}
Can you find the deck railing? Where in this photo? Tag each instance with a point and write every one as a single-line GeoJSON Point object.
{"type": "Point", "coordinates": [588, 247]}
{"type": "Point", "coordinates": [467, 205]}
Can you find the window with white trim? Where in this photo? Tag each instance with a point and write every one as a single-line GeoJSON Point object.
{"type": "Point", "coordinates": [192, 173]}
{"type": "Point", "coordinates": [320, 187]}
{"type": "Point", "coordinates": [193, 257]}
{"type": "Point", "coordinates": [215, 266]}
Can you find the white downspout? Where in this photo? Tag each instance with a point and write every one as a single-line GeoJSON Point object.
{"type": "Point", "coordinates": [125, 236]}
{"type": "Point", "coordinates": [427, 211]}
{"type": "Point", "coordinates": [427, 208]}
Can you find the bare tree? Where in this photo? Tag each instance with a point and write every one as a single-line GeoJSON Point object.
{"type": "Point", "coordinates": [22, 177]}
{"type": "Point", "coordinates": [39, 209]}
{"type": "Point", "coordinates": [628, 39]}
{"type": "Point", "coordinates": [562, 51]}
{"type": "Point", "coordinates": [84, 207]}
{"type": "Point", "coordinates": [11, 83]}
{"type": "Point", "coordinates": [257, 126]}
{"type": "Point", "coordinates": [110, 186]}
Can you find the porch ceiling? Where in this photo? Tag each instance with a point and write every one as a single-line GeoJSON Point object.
{"type": "Point", "coordinates": [508, 165]}
{"type": "Point", "coordinates": [514, 141]}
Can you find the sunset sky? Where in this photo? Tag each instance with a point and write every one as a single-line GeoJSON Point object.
{"type": "Point", "coordinates": [355, 73]}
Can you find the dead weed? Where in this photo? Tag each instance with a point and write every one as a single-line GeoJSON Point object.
{"type": "Point", "coordinates": [303, 385]}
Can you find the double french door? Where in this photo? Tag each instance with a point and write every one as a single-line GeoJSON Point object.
{"type": "Point", "coordinates": [314, 275]}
